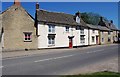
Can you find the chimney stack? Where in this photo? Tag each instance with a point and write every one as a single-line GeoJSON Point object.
{"type": "Point", "coordinates": [78, 14]}
{"type": "Point", "coordinates": [37, 6]}
{"type": "Point", "coordinates": [16, 2]}
{"type": "Point", "coordinates": [101, 18]}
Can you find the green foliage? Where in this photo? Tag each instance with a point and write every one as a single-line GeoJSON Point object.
{"type": "Point", "coordinates": [97, 74]}
{"type": "Point", "coordinates": [92, 18]}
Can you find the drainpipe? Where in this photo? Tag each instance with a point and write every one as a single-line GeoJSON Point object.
{"type": "Point", "coordinates": [88, 36]}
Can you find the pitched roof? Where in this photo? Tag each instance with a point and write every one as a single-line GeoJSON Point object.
{"type": "Point", "coordinates": [92, 26]}
{"type": "Point", "coordinates": [103, 28]}
{"type": "Point", "coordinates": [16, 6]}
{"type": "Point", "coordinates": [108, 25]}
{"type": "Point", "coordinates": [113, 27]}
{"type": "Point", "coordinates": [60, 18]}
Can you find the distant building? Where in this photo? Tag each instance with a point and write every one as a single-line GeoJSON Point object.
{"type": "Point", "coordinates": [18, 27]}
{"type": "Point", "coordinates": [105, 33]}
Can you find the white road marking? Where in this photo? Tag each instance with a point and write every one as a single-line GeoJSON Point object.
{"type": "Point", "coordinates": [1, 66]}
{"type": "Point", "coordinates": [95, 51]}
{"type": "Point", "coordinates": [54, 58]}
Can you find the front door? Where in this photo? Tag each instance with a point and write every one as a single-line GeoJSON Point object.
{"type": "Point", "coordinates": [70, 43]}
{"type": "Point", "coordinates": [97, 40]}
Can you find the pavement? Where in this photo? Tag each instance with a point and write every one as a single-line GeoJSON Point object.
{"type": "Point", "coordinates": [13, 54]}
{"type": "Point", "coordinates": [59, 61]}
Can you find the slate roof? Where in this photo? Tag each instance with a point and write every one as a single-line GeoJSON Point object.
{"type": "Point", "coordinates": [98, 27]}
{"type": "Point", "coordinates": [113, 27]}
{"type": "Point", "coordinates": [60, 18]}
{"type": "Point", "coordinates": [103, 28]}
{"type": "Point", "coordinates": [92, 26]}
{"type": "Point", "coordinates": [13, 8]}
{"type": "Point", "coordinates": [108, 25]}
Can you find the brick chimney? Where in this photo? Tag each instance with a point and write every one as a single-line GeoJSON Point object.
{"type": "Point", "coordinates": [37, 6]}
{"type": "Point", "coordinates": [101, 18]}
{"type": "Point", "coordinates": [16, 2]}
{"type": "Point", "coordinates": [78, 14]}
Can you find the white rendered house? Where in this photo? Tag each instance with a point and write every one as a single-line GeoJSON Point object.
{"type": "Point", "coordinates": [93, 34]}
{"type": "Point", "coordinates": [60, 29]}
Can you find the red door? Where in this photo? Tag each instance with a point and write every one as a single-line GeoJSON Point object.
{"type": "Point", "coordinates": [70, 43]}
{"type": "Point", "coordinates": [97, 40]}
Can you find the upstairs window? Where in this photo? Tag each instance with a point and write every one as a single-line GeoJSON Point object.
{"type": "Point", "coordinates": [109, 33]}
{"type": "Point", "coordinates": [27, 36]}
{"type": "Point", "coordinates": [82, 31]}
{"type": "Point", "coordinates": [66, 28]}
{"type": "Point", "coordinates": [77, 27]}
{"type": "Point", "coordinates": [78, 19]}
{"type": "Point", "coordinates": [51, 28]}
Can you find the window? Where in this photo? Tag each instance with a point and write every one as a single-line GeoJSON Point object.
{"type": "Point", "coordinates": [82, 31]}
{"type": "Point", "coordinates": [27, 36]}
{"type": "Point", "coordinates": [51, 28]}
{"type": "Point", "coordinates": [102, 39]}
{"type": "Point", "coordinates": [109, 39]}
{"type": "Point", "coordinates": [82, 39]}
{"type": "Point", "coordinates": [51, 41]}
{"type": "Point", "coordinates": [66, 28]}
{"type": "Point", "coordinates": [78, 19]}
{"type": "Point", "coordinates": [77, 27]}
{"type": "Point", "coordinates": [93, 39]}
{"type": "Point", "coordinates": [108, 33]}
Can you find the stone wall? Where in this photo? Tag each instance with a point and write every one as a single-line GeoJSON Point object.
{"type": "Point", "coordinates": [15, 21]}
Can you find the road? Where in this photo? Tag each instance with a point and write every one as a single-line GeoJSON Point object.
{"type": "Point", "coordinates": [58, 63]}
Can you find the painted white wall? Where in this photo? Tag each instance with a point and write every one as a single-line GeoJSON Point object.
{"type": "Point", "coordinates": [96, 33]}
{"type": "Point", "coordinates": [61, 37]}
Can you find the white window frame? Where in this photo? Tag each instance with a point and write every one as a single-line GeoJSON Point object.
{"type": "Point", "coordinates": [51, 41]}
{"type": "Point", "coordinates": [27, 36]}
{"type": "Point", "coordinates": [51, 28]}
{"type": "Point", "coordinates": [81, 31]}
{"type": "Point", "coordinates": [78, 19]}
{"type": "Point", "coordinates": [67, 28]}
{"type": "Point", "coordinates": [82, 39]}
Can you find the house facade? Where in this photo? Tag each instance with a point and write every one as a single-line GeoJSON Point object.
{"type": "Point", "coordinates": [115, 32]}
{"type": "Point", "coordinates": [19, 32]}
{"type": "Point", "coordinates": [60, 29]}
{"type": "Point", "coordinates": [93, 33]}
{"type": "Point", "coordinates": [105, 33]}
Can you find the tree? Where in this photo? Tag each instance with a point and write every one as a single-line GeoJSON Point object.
{"type": "Point", "coordinates": [92, 18]}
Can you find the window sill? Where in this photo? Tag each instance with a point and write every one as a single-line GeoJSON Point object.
{"type": "Point", "coordinates": [51, 45]}
{"type": "Point", "coordinates": [27, 40]}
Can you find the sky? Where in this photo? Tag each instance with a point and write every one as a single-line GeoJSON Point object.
{"type": "Point", "coordinates": [105, 9]}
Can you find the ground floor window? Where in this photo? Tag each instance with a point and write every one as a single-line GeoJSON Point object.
{"type": "Point", "coordinates": [102, 39]}
{"type": "Point", "coordinates": [51, 41]}
{"type": "Point", "coordinates": [93, 39]}
{"type": "Point", "coordinates": [27, 36]}
{"type": "Point", "coordinates": [109, 39]}
{"type": "Point", "coordinates": [82, 39]}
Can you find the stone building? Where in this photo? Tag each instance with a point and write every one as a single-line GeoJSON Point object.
{"type": "Point", "coordinates": [18, 27]}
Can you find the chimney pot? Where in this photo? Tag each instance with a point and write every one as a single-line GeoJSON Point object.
{"type": "Point", "coordinates": [37, 6]}
{"type": "Point", "coordinates": [78, 14]}
{"type": "Point", "coordinates": [16, 2]}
